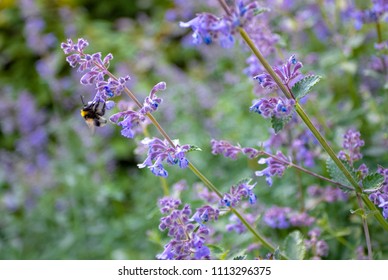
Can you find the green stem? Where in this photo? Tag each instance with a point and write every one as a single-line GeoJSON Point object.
{"type": "Point", "coordinates": [258, 236]}
{"type": "Point", "coordinates": [312, 128]}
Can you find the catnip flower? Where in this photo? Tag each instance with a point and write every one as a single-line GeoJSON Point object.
{"type": "Point", "coordinates": [187, 241]}
{"type": "Point", "coordinates": [95, 68]}
{"type": "Point", "coordinates": [273, 107]}
{"type": "Point", "coordinates": [319, 248]}
{"type": "Point", "coordinates": [243, 189]}
{"type": "Point", "coordinates": [373, 15]}
{"type": "Point", "coordinates": [152, 102]}
{"type": "Point", "coordinates": [208, 28]}
{"type": "Point", "coordinates": [275, 167]}
{"type": "Point", "coordinates": [285, 217]}
{"type": "Point", "coordinates": [160, 151]}
{"type": "Point", "coordinates": [352, 144]}
{"type": "Point", "coordinates": [226, 149]}
{"type": "Point", "coordinates": [288, 74]}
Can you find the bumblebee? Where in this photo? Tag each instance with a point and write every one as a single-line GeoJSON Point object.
{"type": "Point", "coordinates": [93, 113]}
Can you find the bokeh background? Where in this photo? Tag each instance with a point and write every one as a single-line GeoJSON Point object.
{"type": "Point", "coordinates": [67, 194]}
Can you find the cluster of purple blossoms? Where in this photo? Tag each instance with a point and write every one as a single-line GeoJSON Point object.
{"type": "Point", "coordinates": [96, 69]}
{"type": "Point", "coordinates": [276, 166]}
{"type": "Point", "coordinates": [288, 73]}
{"type": "Point", "coordinates": [160, 151]}
{"type": "Point", "coordinates": [285, 217]}
{"type": "Point", "coordinates": [187, 239]}
{"type": "Point", "coordinates": [352, 144]}
{"type": "Point", "coordinates": [373, 15]}
{"type": "Point", "coordinates": [328, 194]}
{"type": "Point", "coordinates": [208, 27]}
{"type": "Point", "coordinates": [228, 150]}
{"type": "Point", "coordinates": [380, 198]}
{"type": "Point", "coordinates": [131, 119]}
{"type": "Point", "coordinates": [273, 107]}
{"type": "Point", "coordinates": [243, 189]}
{"type": "Point", "coordinates": [318, 247]}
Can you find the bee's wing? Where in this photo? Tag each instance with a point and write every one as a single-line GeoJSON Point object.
{"type": "Point", "coordinates": [91, 125]}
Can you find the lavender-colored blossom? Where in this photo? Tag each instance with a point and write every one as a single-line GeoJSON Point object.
{"type": "Point", "coordinates": [273, 107]}
{"type": "Point", "coordinates": [288, 74]}
{"type": "Point", "coordinates": [328, 194]}
{"type": "Point", "coordinates": [152, 102]}
{"type": "Point", "coordinates": [276, 217]}
{"type": "Point", "coordinates": [301, 220]}
{"type": "Point", "coordinates": [228, 150]}
{"type": "Point", "coordinates": [204, 214]}
{"type": "Point", "coordinates": [160, 151]}
{"type": "Point", "coordinates": [318, 247]}
{"type": "Point", "coordinates": [373, 15]}
{"type": "Point", "coordinates": [130, 120]}
{"type": "Point", "coordinates": [225, 148]}
{"type": "Point", "coordinates": [236, 193]}
{"type": "Point", "coordinates": [352, 144]}
{"type": "Point", "coordinates": [284, 217]}
{"type": "Point", "coordinates": [302, 148]}
{"type": "Point", "coordinates": [208, 27]}
{"type": "Point", "coordinates": [275, 167]}
{"type": "Point", "coordinates": [186, 242]}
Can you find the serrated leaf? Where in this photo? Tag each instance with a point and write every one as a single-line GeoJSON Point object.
{"type": "Point", "coordinates": [302, 87]}
{"type": "Point", "coordinates": [372, 182]}
{"type": "Point", "coordinates": [240, 258]}
{"type": "Point", "coordinates": [337, 175]}
{"type": "Point", "coordinates": [194, 148]}
{"type": "Point", "coordinates": [279, 123]}
{"type": "Point", "coordinates": [294, 246]}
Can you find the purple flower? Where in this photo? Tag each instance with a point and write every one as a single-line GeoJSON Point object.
{"type": "Point", "coordinates": [288, 73]}
{"type": "Point", "coordinates": [208, 27]}
{"type": "Point", "coordinates": [276, 217]}
{"type": "Point", "coordinates": [204, 214]}
{"type": "Point", "coordinates": [187, 241]}
{"type": "Point", "coordinates": [275, 167]}
{"type": "Point", "coordinates": [161, 151]}
{"type": "Point", "coordinates": [243, 189]}
{"type": "Point", "coordinates": [318, 247]}
{"type": "Point", "coordinates": [373, 15]}
{"type": "Point", "coordinates": [273, 107]}
{"type": "Point", "coordinates": [130, 120]}
{"type": "Point", "coordinates": [352, 144]}
{"type": "Point", "coordinates": [152, 102]}
{"type": "Point", "coordinates": [225, 148]}
{"type": "Point", "coordinates": [228, 150]}
{"type": "Point", "coordinates": [328, 194]}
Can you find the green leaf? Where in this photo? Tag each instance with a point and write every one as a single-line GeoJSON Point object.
{"type": "Point", "coordinates": [294, 246]}
{"type": "Point", "coordinates": [302, 87]}
{"type": "Point", "coordinates": [372, 182]}
{"type": "Point", "coordinates": [240, 258]}
{"type": "Point", "coordinates": [194, 148]}
{"type": "Point", "coordinates": [278, 124]}
{"type": "Point", "coordinates": [337, 175]}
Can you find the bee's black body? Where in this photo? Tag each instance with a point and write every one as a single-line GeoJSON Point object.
{"type": "Point", "coordinates": [93, 114]}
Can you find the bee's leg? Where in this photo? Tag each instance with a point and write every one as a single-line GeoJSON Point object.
{"type": "Point", "coordinates": [102, 112]}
